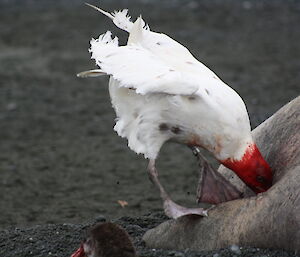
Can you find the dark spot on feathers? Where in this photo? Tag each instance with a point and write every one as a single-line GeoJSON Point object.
{"type": "Point", "coordinates": [188, 62]}
{"type": "Point", "coordinates": [207, 92]}
{"type": "Point", "coordinates": [171, 70]}
{"type": "Point", "coordinates": [176, 130]}
{"type": "Point", "coordinates": [160, 76]}
{"type": "Point", "coordinates": [109, 55]}
{"type": "Point", "coordinates": [158, 43]}
{"type": "Point", "coordinates": [135, 114]}
{"type": "Point", "coordinates": [192, 97]}
{"type": "Point", "coordinates": [163, 127]}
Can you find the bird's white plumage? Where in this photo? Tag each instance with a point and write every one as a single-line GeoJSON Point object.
{"type": "Point", "coordinates": [137, 67]}
{"type": "Point", "coordinates": [160, 92]}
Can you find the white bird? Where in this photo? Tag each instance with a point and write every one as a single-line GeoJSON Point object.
{"type": "Point", "coordinates": [161, 93]}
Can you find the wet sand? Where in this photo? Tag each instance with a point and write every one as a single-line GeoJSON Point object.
{"type": "Point", "coordinates": [60, 160]}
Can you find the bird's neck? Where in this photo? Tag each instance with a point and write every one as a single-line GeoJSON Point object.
{"type": "Point", "coordinates": [251, 168]}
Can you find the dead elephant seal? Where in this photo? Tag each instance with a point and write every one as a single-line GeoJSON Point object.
{"type": "Point", "coordinates": [268, 220]}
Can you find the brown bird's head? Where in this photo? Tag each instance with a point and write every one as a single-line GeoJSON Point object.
{"type": "Point", "coordinates": [106, 240]}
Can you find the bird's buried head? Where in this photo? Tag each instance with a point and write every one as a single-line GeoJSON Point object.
{"type": "Point", "coordinates": [252, 169]}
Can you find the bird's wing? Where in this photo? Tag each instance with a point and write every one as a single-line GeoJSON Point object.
{"type": "Point", "coordinates": [161, 45]}
{"type": "Point", "coordinates": [174, 54]}
{"type": "Point", "coordinates": [140, 66]}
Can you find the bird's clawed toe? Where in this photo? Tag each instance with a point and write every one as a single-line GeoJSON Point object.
{"type": "Point", "coordinates": [173, 210]}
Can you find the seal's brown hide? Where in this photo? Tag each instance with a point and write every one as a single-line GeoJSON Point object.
{"type": "Point", "coordinates": [278, 138]}
{"type": "Point", "coordinates": [268, 220]}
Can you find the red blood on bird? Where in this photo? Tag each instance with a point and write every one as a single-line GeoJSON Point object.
{"type": "Point", "coordinates": [252, 169]}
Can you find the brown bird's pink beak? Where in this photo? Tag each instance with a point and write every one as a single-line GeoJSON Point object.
{"type": "Point", "coordinates": [79, 252]}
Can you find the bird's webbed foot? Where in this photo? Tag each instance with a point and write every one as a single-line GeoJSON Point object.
{"type": "Point", "coordinates": [171, 209]}
{"type": "Point", "coordinates": [213, 188]}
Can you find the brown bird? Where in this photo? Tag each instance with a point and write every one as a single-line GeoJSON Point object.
{"type": "Point", "coordinates": [106, 240]}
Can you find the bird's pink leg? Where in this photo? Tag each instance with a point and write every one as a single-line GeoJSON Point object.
{"type": "Point", "coordinates": [171, 209]}
{"type": "Point", "coordinates": [213, 188]}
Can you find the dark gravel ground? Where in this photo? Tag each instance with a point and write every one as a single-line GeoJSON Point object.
{"type": "Point", "coordinates": [61, 162]}
{"type": "Point", "coordinates": [63, 239]}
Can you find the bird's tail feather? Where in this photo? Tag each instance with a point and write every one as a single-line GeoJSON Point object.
{"type": "Point", "coordinates": [136, 32]}
{"type": "Point", "coordinates": [91, 73]}
{"type": "Point", "coordinates": [119, 18]}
